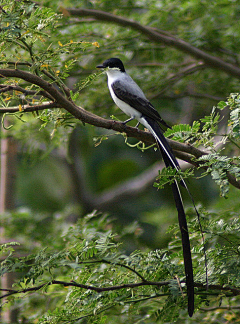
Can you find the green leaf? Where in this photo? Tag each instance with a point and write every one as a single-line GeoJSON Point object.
{"type": "Point", "coordinates": [221, 105]}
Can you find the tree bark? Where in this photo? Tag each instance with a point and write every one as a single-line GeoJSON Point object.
{"type": "Point", "coordinates": [7, 202]}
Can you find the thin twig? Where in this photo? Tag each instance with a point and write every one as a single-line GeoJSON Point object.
{"type": "Point", "coordinates": [15, 87]}
{"type": "Point", "coordinates": [89, 287]}
{"type": "Point", "coordinates": [234, 291]}
{"type": "Point", "coordinates": [30, 108]}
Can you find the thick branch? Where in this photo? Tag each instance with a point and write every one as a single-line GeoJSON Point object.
{"type": "Point", "coordinates": [88, 117]}
{"type": "Point", "coordinates": [184, 151]}
{"type": "Point", "coordinates": [160, 36]}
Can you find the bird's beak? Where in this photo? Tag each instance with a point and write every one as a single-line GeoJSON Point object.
{"type": "Point", "coordinates": [100, 67]}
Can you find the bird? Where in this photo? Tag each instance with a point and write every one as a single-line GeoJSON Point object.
{"type": "Point", "coordinates": [129, 97]}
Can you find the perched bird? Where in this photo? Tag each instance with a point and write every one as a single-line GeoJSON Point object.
{"type": "Point", "coordinates": [131, 100]}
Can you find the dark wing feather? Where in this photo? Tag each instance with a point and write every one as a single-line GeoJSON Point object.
{"type": "Point", "coordinates": [141, 104]}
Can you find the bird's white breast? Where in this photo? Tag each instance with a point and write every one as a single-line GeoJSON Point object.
{"type": "Point", "coordinates": [116, 75]}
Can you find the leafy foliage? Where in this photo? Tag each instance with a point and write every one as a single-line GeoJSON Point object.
{"type": "Point", "coordinates": [101, 280]}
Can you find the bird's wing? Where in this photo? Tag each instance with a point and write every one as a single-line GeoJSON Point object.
{"type": "Point", "coordinates": [139, 103]}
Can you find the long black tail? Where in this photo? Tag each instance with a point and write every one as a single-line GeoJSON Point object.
{"type": "Point", "coordinates": [170, 160]}
{"type": "Point", "coordinates": [185, 244]}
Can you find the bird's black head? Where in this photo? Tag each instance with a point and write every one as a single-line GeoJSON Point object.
{"type": "Point", "coordinates": [113, 63]}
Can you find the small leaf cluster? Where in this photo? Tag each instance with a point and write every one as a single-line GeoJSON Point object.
{"type": "Point", "coordinates": [169, 175]}
{"type": "Point", "coordinates": [206, 135]}
{"type": "Point", "coordinates": [219, 167]}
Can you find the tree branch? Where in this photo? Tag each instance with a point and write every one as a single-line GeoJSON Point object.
{"type": "Point", "coordinates": [88, 117]}
{"type": "Point", "coordinates": [15, 87]}
{"type": "Point", "coordinates": [30, 108]}
{"type": "Point", "coordinates": [10, 292]}
{"type": "Point", "coordinates": [44, 71]}
{"type": "Point", "coordinates": [184, 151]}
{"type": "Point", "coordinates": [159, 36]}
{"type": "Point", "coordinates": [89, 287]}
